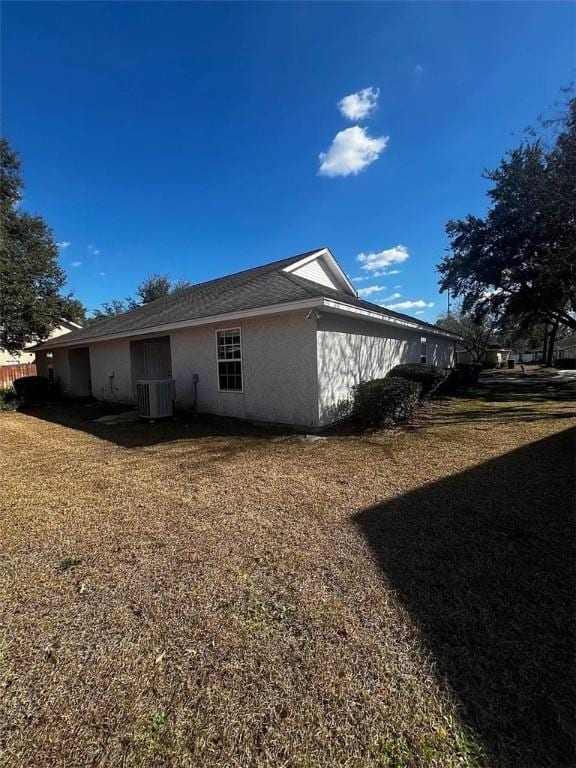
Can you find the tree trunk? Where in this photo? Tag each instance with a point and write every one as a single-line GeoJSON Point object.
{"type": "Point", "coordinates": [545, 343]}
{"type": "Point", "coordinates": [552, 342]}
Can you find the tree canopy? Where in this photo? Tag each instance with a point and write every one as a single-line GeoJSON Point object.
{"type": "Point", "coordinates": [518, 263]}
{"type": "Point", "coordinates": [152, 288]}
{"type": "Point", "coordinates": [31, 280]}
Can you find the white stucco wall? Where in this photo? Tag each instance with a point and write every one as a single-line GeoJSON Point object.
{"type": "Point", "coordinates": [41, 360]}
{"type": "Point", "coordinates": [351, 351]}
{"type": "Point", "coordinates": [278, 364]}
{"type": "Point", "coordinates": [111, 357]}
{"type": "Point", "coordinates": [61, 370]}
{"type": "Point", "coordinates": [440, 351]}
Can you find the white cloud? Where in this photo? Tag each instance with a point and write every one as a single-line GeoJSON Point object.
{"type": "Point", "coordinates": [359, 105]}
{"type": "Point", "coordinates": [420, 312]}
{"type": "Point", "coordinates": [384, 302]}
{"type": "Point", "coordinates": [76, 264]}
{"type": "Point", "coordinates": [383, 273]}
{"type": "Point", "coordinates": [102, 274]}
{"type": "Point", "coordinates": [418, 304]}
{"type": "Point", "coordinates": [382, 259]}
{"type": "Point", "coordinates": [397, 286]}
{"type": "Point", "coordinates": [63, 245]}
{"type": "Point", "coordinates": [370, 289]}
{"type": "Point", "coordinates": [418, 69]}
{"type": "Point", "coordinates": [360, 278]}
{"type": "Point", "coordinates": [93, 251]}
{"type": "Point", "coordinates": [351, 151]}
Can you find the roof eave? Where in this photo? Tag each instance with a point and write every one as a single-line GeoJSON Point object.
{"type": "Point", "coordinates": [383, 317]}
{"type": "Point", "coordinates": [339, 307]}
{"type": "Point", "coordinates": [271, 309]}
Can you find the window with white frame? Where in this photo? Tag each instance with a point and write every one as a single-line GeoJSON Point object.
{"type": "Point", "coordinates": [423, 350]}
{"type": "Point", "coordinates": [229, 353]}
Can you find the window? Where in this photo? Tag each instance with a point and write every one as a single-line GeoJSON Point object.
{"type": "Point", "coordinates": [423, 354]}
{"type": "Point", "coordinates": [229, 352]}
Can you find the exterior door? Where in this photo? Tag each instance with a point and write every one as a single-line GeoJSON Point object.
{"type": "Point", "coordinates": [157, 364]}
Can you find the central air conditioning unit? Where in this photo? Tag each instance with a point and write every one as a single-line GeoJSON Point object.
{"type": "Point", "coordinates": [155, 398]}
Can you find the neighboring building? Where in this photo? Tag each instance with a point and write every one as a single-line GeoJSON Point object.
{"type": "Point", "coordinates": [13, 365]}
{"type": "Point", "coordinates": [565, 348]}
{"type": "Point", "coordinates": [283, 343]}
{"type": "Point", "coordinates": [494, 357]}
{"type": "Point", "coordinates": [24, 356]}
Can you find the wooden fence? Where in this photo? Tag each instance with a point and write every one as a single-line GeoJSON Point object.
{"type": "Point", "coordinates": [10, 372]}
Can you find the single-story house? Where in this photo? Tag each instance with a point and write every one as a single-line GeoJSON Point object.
{"type": "Point", "coordinates": [284, 343]}
{"type": "Point", "coordinates": [565, 348]}
{"type": "Point", "coordinates": [494, 356]}
{"type": "Point", "coordinates": [13, 365]}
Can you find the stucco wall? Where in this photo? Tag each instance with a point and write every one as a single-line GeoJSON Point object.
{"type": "Point", "coordinates": [111, 357]}
{"type": "Point", "coordinates": [61, 370]}
{"type": "Point", "coordinates": [351, 351]}
{"type": "Point", "coordinates": [41, 360]}
{"type": "Point", "coordinates": [278, 363]}
{"type": "Point", "coordinates": [440, 351]}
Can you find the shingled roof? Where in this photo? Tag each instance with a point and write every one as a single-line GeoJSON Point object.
{"type": "Point", "coordinates": [250, 289]}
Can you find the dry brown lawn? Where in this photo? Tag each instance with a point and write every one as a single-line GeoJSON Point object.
{"type": "Point", "coordinates": [208, 595]}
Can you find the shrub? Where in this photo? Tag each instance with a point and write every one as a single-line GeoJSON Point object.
{"type": "Point", "coordinates": [452, 382]}
{"type": "Point", "coordinates": [566, 363]}
{"type": "Point", "coordinates": [469, 374]}
{"type": "Point", "coordinates": [428, 376]}
{"type": "Point", "coordinates": [382, 402]}
{"type": "Point", "coordinates": [35, 389]}
{"type": "Point", "coordinates": [8, 400]}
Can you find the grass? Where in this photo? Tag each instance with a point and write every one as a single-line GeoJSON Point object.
{"type": "Point", "coordinates": [69, 562]}
{"type": "Point", "coordinates": [398, 599]}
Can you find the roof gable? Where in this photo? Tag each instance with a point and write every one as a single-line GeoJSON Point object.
{"type": "Point", "coordinates": [321, 267]}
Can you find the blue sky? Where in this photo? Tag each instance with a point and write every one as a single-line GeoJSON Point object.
{"type": "Point", "coordinates": [186, 138]}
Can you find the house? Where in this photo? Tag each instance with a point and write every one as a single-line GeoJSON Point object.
{"type": "Point", "coordinates": [25, 356]}
{"type": "Point", "coordinates": [494, 356]}
{"type": "Point", "coordinates": [16, 364]}
{"type": "Point", "coordinates": [565, 348]}
{"type": "Point", "coordinates": [284, 343]}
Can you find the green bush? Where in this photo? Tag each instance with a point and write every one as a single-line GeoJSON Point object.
{"type": "Point", "coordinates": [428, 376]}
{"type": "Point", "coordinates": [8, 400]}
{"type": "Point", "coordinates": [452, 382]}
{"type": "Point", "coordinates": [35, 389]}
{"type": "Point", "coordinates": [566, 363]}
{"type": "Point", "coordinates": [469, 373]}
{"type": "Point", "coordinates": [383, 402]}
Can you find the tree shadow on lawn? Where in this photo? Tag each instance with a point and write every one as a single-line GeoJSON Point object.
{"type": "Point", "coordinates": [484, 562]}
{"type": "Point", "coordinates": [493, 413]}
{"type": "Point", "coordinates": [142, 433]}
{"type": "Point", "coordinates": [537, 388]}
